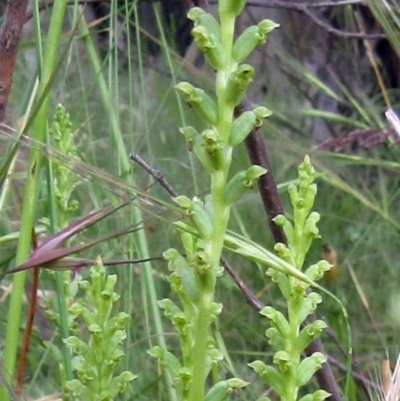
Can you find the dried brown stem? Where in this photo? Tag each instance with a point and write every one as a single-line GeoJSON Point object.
{"type": "Point", "coordinates": [305, 8]}
{"type": "Point", "coordinates": [10, 34]}
{"type": "Point", "coordinates": [266, 184]}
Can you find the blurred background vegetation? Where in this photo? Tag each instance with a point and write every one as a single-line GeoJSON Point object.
{"type": "Point", "coordinates": [329, 74]}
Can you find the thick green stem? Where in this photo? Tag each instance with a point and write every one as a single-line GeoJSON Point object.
{"type": "Point", "coordinates": [220, 216]}
{"type": "Point", "coordinates": [291, 388]}
{"type": "Point", "coordinates": [30, 196]}
{"type": "Point", "coordinates": [200, 347]}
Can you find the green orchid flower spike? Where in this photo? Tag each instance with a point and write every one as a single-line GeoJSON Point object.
{"type": "Point", "coordinates": [193, 276]}
{"type": "Point", "coordinates": [288, 334]}
{"type": "Point", "coordinates": [96, 358]}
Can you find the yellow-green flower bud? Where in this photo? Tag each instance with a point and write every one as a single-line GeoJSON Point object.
{"type": "Point", "coordinates": [199, 100]}
{"type": "Point", "coordinates": [211, 47]}
{"type": "Point", "coordinates": [238, 82]}
{"type": "Point", "coordinates": [308, 334]}
{"type": "Point", "coordinates": [319, 395]}
{"type": "Point", "coordinates": [201, 219]}
{"type": "Point", "coordinates": [183, 201]}
{"type": "Point", "coordinates": [235, 187]}
{"type": "Point", "coordinates": [253, 173]}
{"type": "Point", "coordinates": [242, 127]}
{"type": "Point", "coordinates": [212, 146]}
{"type": "Point", "coordinates": [188, 242]}
{"type": "Point", "coordinates": [278, 320]}
{"type": "Point", "coordinates": [211, 141]}
{"type": "Point", "coordinates": [308, 367]}
{"type": "Point", "coordinates": [242, 181]}
{"type": "Point", "coordinates": [261, 112]}
{"type": "Point", "coordinates": [310, 227]}
{"type": "Point", "coordinates": [201, 18]}
{"type": "Point", "coordinates": [317, 271]}
{"type": "Point", "coordinates": [195, 142]}
{"type": "Point", "coordinates": [270, 376]}
{"type": "Point", "coordinates": [283, 360]}
{"type": "Point", "coordinates": [245, 123]}
{"type": "Point", "coordinates": [275, 339]}
{"type": "Point", "coordinates": [282, 280]}
{"type": "Point", "coordinates": [251, 38]}
{"type": "Point", "coordinates": [190, 286]}
{"type": "Point", "coordinates": [190, 134]}
{"type": "Point", "coordinates": [220, 391]}
{"type": "Point", "coordinates": [309, 305]}
{"type": "Point", "coordinates": [166, 359]}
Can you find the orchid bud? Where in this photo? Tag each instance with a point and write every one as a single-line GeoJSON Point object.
{"type": "Point", "coordinates": [222, 389]}
{"type": "Point", "coordinates": [319, 395]}
{"type": "Point", "coordinates": [201, 219]}
{"type": "Point", "coordinates": [199, 100]}
{"type": "Point", "coordinates": [211, 47]}
{"type": "Point", "coordinates": [269, 375]}
{"type": "Point", "coordinates": [237, 84]}
{"type": "Point", "coordinates": [253, 173]}
{"type": "Point", "coordinates": [283, 360]}
{"type": "Point", "coordinates": [252, 37]}
{"type": "Point", "coordinates": [308, 367]}
{"type": "Point", "coordinates": [242, 181]}
{"type": "Point", "coordinates": [308, 334]}
{"type": "Point", "coordinates": [190, 135]}
{"type": "Point", "coordinates": [201, 18]}
{"type": "Point", "coordinates": [242, 127]}
{"type": "Point", "coordinates": [277, 319]}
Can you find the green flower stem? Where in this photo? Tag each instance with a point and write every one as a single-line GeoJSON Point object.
{"type": "Point", "coordinates": [196, 391]}
{"type": "Point", "coordinates": [291, 389]}
{"type": "Point", "coordinates": [220, 216]}
{"type": "Point", "coordinates": [220, 221]}
{"type": "Point", "coordinates": [194, 277]}
{"type": "Point", "coordinates": [61, 296]}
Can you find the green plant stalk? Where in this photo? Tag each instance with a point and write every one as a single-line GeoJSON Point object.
{"type": "Point", "coordinates": [291, 389]}
{"type": "Point", "coordinates": [146, 268]}
{"type": "Point", "coordinates": [129, 9]}
{"type": "Point", "coordinates": [59, 279]}
{"type": "Point", "coordinates": [220, 217]}
{"type": "Point", "coordinates": [60, 214]}
{"type": "Point", "coordinates": [31, 194]}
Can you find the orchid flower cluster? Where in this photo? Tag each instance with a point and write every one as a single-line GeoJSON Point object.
{"type": "Point", "coordinates": [193, 276]}
{"type": "Point", "coordinates": [289, 333]}
{"type": "Point", "coordinates": [96, 358]}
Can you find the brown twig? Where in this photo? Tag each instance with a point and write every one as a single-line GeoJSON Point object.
{"type": "Point", "coordinates": [360, 378]}
{"type": "Point", "coordinates": [305, 8]}
{"type": "Point", "coordinates": [266, 184]}
{"type": "Point", "coordinates": [251, 299]}
{"type": "Point", "coordinates": [156, 174]}
{"type": "Point", "coordinates": [338, 32]}
{"type": "Point", "coordinates": [355, 369]}
{"type": "Point", "coordinates": [14, 18]}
